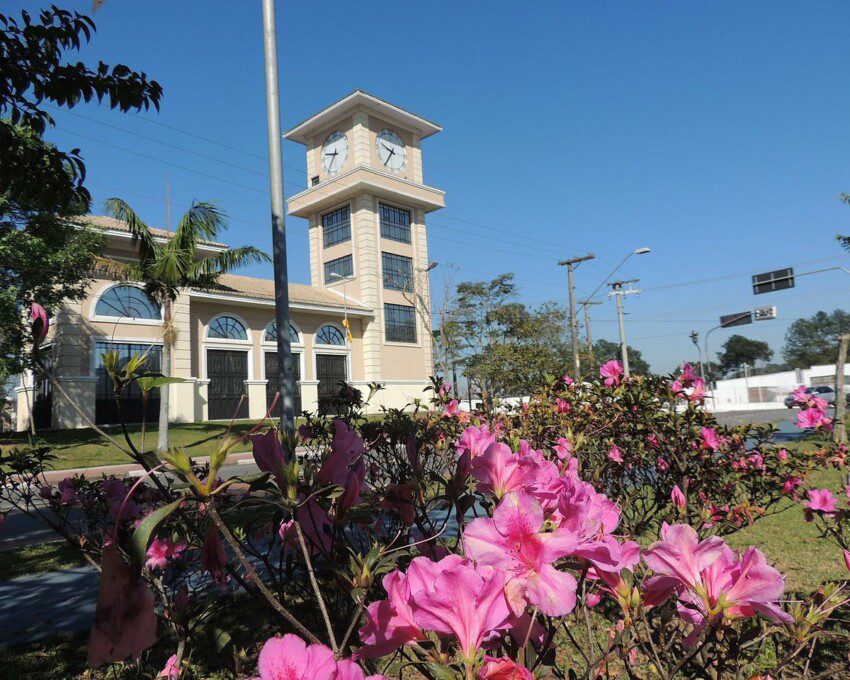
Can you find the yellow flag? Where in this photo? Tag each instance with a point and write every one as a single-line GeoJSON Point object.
{"type": "Point", "coordinates": [347, 330]}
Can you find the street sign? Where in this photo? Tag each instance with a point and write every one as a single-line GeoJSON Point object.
{"type": "Point", "coordinates": [739, 319]}
{"type": "Point", "coordinates": [779, 279]}
{"type": "Point", "coordinates": [765, 313]}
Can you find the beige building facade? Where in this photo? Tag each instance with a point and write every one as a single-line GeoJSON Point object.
{"type": "Point", "coordinates": [363, 319]}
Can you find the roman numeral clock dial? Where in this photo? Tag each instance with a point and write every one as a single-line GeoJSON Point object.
{"type": "Point", "coordinates": [334, 152]}
{"type": "Point", "coordinates": [391, 151]}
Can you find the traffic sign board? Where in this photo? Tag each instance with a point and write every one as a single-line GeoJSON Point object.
{"type": "Point", "coordinates": [765, 313]}
{"type": "Point", "coordinates": [739, 319]}
{"type": "Point", "coordinates": [779, 279]}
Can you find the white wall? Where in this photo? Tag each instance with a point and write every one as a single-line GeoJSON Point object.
{"type": "Point", "coordinates": [769, 390]}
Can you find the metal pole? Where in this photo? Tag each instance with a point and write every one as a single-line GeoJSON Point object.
{"type": "Point", "coordinates": [281, 278]}
{"type": "Point", "coordinates": [587, 326]}
{"type": "Point", "coordinates": [705, 349]}
{"type": "Point", "coordinates": [624, 352]}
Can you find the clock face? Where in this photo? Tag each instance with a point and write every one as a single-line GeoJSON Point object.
{"type": "Point", "coordinates": [391, 151]}
{"type": "Point", "coordinates": [334, 152]}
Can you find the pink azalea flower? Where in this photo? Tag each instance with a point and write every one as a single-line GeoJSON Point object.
{"type": "Point", "coordinates": [466, 602]}
{"type": "Point", "coordinates": [847, 560]}
{"type": "Point", "coordinates": [389, 623]}
{"type": "Point", "coordinates": [662, 464]}
{"type": "Point", "coordinates": [316, 526]}
{"type": "Point", "coordinates": [399, 498]}
{"type": "Point", "coordinates": [514, 541]}
{"type": "Point", "coordinates": [213, 556]}
{"type": "Point", "coordinates": [345, 466]}
{"type": "Point", "coordinates": [346, 669]}
{"type": "Point", "coordinates": [290, 658]}
{"type": "Point", "coordinates": [162, 551]}
{"type": "Point", "coordinates": [676, 387]}
{"type": "Point", "coordinates": [475, 440]}
{"type": "Point", "coordinates": [503, 669]}
{"type": "Point", "coordinates": [612, 372]}
{"type": "Point", "coordinates": [567, 380]}
{"type": "Point", "coordinates": [40, 322]}
{"type": "Point", "coordinates": [124, 619]}
{"type": "Point", "coordinates": [678, 497]}
{"type": "Point", "coordinates": [614, 454]}
{"type": "Point", "coordinates": [500, 470]}
{"type": "Point", "coordinates": [813, 418]}
{"type": "Point", "coordinates": [820, 500]}
{"type": "Point", "coordinates": [782, 454]}
{"type": "Point", "coordinates": [577, 507]}
{"type": "Point", "coordinates": [171, 670]}
{"type": "Point", "coordinates": [452, 409]}
{"type": "Point", "coordinates": [269, 455]}
{"type": "Point", "coordinates": [445, 388]}
{"type": "Point", "coordinates": [67, 494]}
{"type": "Point", "coordinates": [698, 392]}
{"type": "Point", "coordinates": [562, 406]}
{"type": "Point", "coordinates": [710, 439]}
{"type": "Point", "coordinates": [710, 581]}
{"type": "Point", "coordinates": [791, 483]}
{"type": "Point", "coordinates": [688, 377]}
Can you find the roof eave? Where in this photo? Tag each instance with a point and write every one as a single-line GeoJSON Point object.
{"type": "Point", "coordinates": [304, 130]}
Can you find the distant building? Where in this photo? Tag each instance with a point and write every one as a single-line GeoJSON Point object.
{"type": "Point", "coordinates": [366, 205]}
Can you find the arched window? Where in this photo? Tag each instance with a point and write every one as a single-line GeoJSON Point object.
{"type": "Point", "coordinates": [271, 333]}
{"type": "Point", "coordinates": [227, 328]}
{"type": "Point", "coordinates": [127, 302]}
{"type": "Point", "coordinates": [330, 335]}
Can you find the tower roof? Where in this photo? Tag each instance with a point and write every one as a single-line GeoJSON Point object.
{"type": "Point", "coordinates": [301, 132]}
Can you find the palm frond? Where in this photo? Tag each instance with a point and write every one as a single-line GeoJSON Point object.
{"type": "Point", "coordinates": [201, 222]}
{"type": "Point", "coordinates": [141, 232]}
{"type": "Point", "coordinates": [212, 267]}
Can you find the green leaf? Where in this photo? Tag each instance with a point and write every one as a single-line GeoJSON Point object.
{"type": "Point", "coordinates": [142, 536]}
{"type": "Point", "coordinates": [148, 383]}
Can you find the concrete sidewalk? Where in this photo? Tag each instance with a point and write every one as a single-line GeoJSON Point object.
{"type": "Point", "coordinates": [131, 469]}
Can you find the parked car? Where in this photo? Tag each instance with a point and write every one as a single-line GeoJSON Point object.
{"type": "Point", "coordinates": [824, 392]}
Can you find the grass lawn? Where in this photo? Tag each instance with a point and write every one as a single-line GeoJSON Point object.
{"type": "Point", "coordinates": [86, 448]}
{"type": "Point", "coordinates": [37, 559]}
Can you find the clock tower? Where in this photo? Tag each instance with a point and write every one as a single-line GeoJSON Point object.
{"type": "Point", "coordinates": [366, 203]}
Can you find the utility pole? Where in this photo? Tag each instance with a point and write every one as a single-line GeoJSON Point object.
{"type": "Point", "coordinates": [571, 264]}
{"type": "Point", "coordinates": [281, 277]}
{"type": "Point", "coordinates": [586, 304]}
{"type": "Point", "coordinates": [618, 292]}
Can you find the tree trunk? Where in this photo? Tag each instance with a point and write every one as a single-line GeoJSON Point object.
{"type": "Point", "coordinates": [840, 431]}
{"type": "Point", "coordinates": [162, 439]}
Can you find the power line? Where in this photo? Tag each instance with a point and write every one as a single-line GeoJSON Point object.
{"type": "Point", "coordinates": [489, 228]}
{"type": "Point", "coordinates": [263, 192]}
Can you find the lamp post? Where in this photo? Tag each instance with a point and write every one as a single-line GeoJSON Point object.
{"type": "Point", "coordinates": [571, 264]}
{"type": "Point", "coordinates": [618, 292]}
{"type": "Point", "coordinates": [281, 277]}
{"type": "Point", "coordinates": [694, 335]}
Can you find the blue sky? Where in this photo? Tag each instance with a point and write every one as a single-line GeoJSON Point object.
{"type": "Point", "coordinates": [714, 133]}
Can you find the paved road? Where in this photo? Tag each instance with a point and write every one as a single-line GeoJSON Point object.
{"type": "Point", "coordinates": [776, 416]}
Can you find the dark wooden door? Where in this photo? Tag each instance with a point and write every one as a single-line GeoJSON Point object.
{"type": "Point", "coordinates": [330, 372]}
{"type": "Point", "coordinates": [227, 371]}
{"type": "Point", "coordinates": [273, 382]}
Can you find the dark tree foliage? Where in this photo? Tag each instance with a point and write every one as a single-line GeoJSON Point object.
{"type": "Point", "coordinates": [739, 350]}
{"type": "Point", "coordinates": [605, 350]}
{"type": "Point", "coordinates": [45, 254]}
{"type": "Point", "coordinates": [33, 72]}
{"type": "Point", "coordinates": [813, 341]}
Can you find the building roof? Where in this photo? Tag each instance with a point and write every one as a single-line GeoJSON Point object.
{"type": "Point", "coordinates": [302, 131]}
{"type": "Point", "coordinates": [107, 223]}
{"type": "Point", "coordinates": [263, 289]}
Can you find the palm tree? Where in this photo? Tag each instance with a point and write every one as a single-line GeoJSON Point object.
{"type": "Point", "coordinates": [167, 267]}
